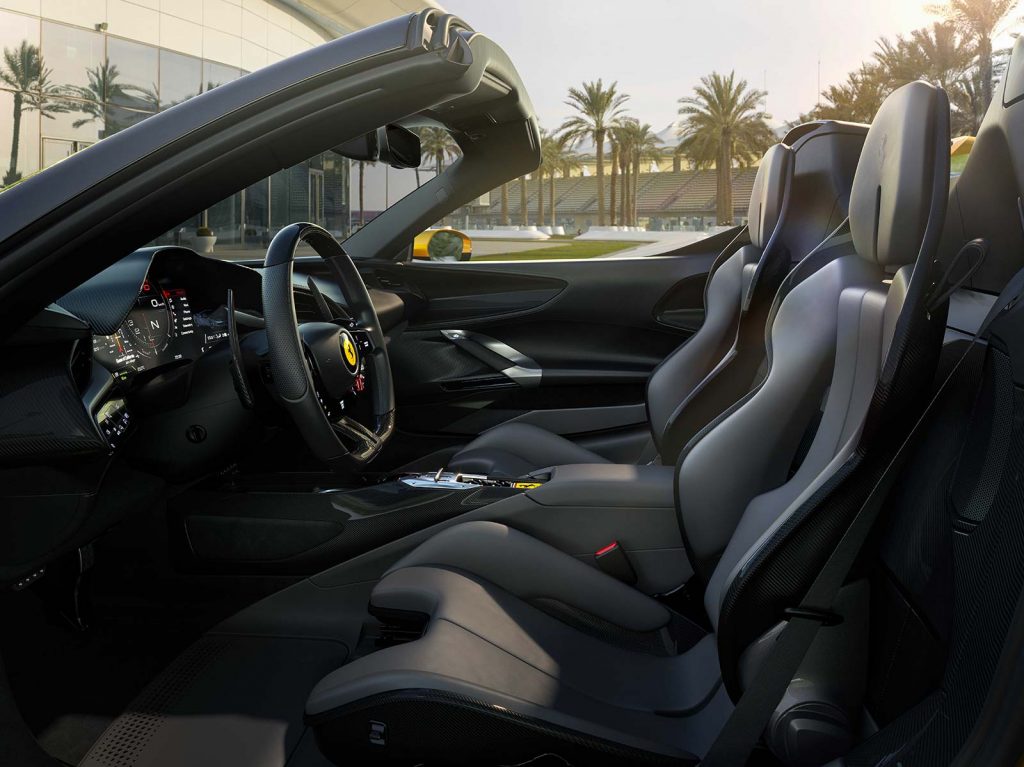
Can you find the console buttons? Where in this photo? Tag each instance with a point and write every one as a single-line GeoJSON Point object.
{"type": "Point", "coordinates": [113, 418]}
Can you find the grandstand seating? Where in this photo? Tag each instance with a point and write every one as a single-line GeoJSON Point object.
{"type": "Point", "coordinates": [664, 194]}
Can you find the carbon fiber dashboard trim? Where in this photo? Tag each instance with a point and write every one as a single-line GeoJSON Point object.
{"type": "Point", "coordinates": [104, 300]}
{"type": "Point", "coordinates": [41, 410]}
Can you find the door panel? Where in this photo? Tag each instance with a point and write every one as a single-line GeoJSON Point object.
{"type": "Point", "coordinates": [566, 345]}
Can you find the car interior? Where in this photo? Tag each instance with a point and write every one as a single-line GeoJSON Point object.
{"type": "Point", "coordinates": [752, 501]}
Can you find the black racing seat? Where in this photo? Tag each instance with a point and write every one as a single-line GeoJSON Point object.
{"type": "Point", "coordinates": [799, 195]}
{"type": "Point", "coordinates": [525, 650]}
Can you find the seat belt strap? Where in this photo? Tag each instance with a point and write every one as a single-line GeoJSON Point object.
{"type": "Point", "coordinates": [749, 719]}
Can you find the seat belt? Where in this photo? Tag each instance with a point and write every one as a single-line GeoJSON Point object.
{"type": "Point", "coordinates": [744, 727]}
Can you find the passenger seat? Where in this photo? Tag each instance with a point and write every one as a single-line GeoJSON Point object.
{"type": "Point", "coordinates": [800, 194]}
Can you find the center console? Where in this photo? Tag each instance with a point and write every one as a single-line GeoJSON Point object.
{"type": "Point", "coordinates": [581, 509]}
{"type": "Point", "coordinates": [458, 481]}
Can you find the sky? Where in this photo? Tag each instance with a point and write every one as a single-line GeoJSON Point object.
{"type": "Point", "coordinates": [658, 50]}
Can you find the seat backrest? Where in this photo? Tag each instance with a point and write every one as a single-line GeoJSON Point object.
{"type": "Point", "coordinates": [800, 194]}
{"type": "Point", "coordinates": [827, 344]}
{"type": "Point", "coordinates": [683, 370]}
{"type": "Point", "coordinates": [854, 336]}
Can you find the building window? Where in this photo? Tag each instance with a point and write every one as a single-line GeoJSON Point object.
{"type": "Point", "coordinates": [118, 118]}
{"type": "Point", "coordinates": [56, 149]}
{"type": "Point", "coordinates": [15, 30]}
{"type": "Point", "coordinates": [19, 136]}
{"type": "Point", "coordinates": [133, 74]}
{"type": "Point", "coordinates": [69, 87]}
{"type": "Point", "coordinates": [181, 78]}
{"type": "Point", "coordinates": [74, 119]}
{"type": "Point", "coordinates": [77, 60]}
{"type": "Point", "coordinates": [215, 74]}
{"type": "Point", "coordinates": [23, 76]}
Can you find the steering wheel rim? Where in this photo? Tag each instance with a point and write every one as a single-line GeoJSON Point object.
{"type": "Point", "coordinates": [302, 366]}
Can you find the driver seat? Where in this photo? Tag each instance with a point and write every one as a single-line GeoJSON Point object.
{"type": "Point", "coordinates": [789, 213]}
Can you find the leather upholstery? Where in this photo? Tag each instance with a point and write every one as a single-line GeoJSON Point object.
{"type": "Point", "coordinates": [759, 439]}
{"type": "Point", "coordinates": [477, 586]}
{"type": "Point", "coordinates": [891, 195]}
{"type": "Point", "coordinates": [829, 339]}
{"type": "Point", "coordinates": [515, 449]}
{"type": "Point", "coordinates": [509, 451]}
{"type": "Point", "coordinates": [487, 644]}
{"type": "Point", "coordinates": [529, 569]}
{"type": "Point", "coordinates": [768, 197]}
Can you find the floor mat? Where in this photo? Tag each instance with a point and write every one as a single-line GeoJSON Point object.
{"type": "Point", "coordinates": [69, 684]}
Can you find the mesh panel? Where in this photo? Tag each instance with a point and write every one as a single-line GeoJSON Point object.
{"type": "Point", "coordinates": [984, 454]}
{"type": "Point", "coordinates": [124, 741]}
{"type": "Point", "coordinates": [988, 570]}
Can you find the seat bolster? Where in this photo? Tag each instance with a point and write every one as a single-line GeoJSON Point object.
{"type": "Point", "coordinates": [515, 449]}
{"type": "Point", "coordinates": [526, 567]}
{"type": "Point", "coordinates": [450, 671]}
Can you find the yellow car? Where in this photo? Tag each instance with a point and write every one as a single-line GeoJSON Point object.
{"type": "Point", "coordinates": [960, 148]}
{"type": "Point", "coordinates": [442, 245]}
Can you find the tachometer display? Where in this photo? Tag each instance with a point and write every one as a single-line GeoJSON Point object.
{"type": "Point", "coordinates": [149, 328]}
{"type": "Point", "coordinates": [159, 329]}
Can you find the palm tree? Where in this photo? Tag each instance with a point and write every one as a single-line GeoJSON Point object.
{"type": "Point", "coordinates": [598, 108]}
{"type": "Point", "coordinates": [939, 54]}
{"type": "Point", "coordinates": [723, 123]}
{"type": "Point", "coordinates": [546, 139]}
{"type": "Point", "coordinates": [978, 21]}
{"type": "Point", "coordinates": [24, 72]}
{"type": "Point", "coordinates": [857, 99]}
{"type": "Point", "coordinates": [438, 145]}
{"type": "Point", "coordinates": [505, 220]}
{"type": "Point", "coordinates": [624, 145]}
{"type": "Point", "coordinates": [564, 160]}
{"type": "Point", "coordinates": [552, 150]}
{"type": "Point", "coordinates": [614, 146]}
{"type": "Point", "coordinates": [103, 86]}
{"type": "Point", "coordinates": [524, 214]}
{"type": "Point", "coordinates": [947, 56]}
{"type": "Point", "coordinates": [644, 145]}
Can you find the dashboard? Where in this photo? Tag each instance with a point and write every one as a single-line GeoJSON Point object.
{"type": "Point", "coordinates": [161, 328]}
{"type": "Point", "coordinates": [129, 376]}
{"type": "Point", "coordinates": [160, 331]}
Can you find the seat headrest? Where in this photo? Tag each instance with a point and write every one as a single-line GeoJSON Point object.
{"type": "Point", "coordinates": [768, 194]}
{"type": "Point", "coordinates": [905, 154]}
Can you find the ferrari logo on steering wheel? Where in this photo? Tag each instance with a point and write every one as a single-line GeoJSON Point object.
{"type": "Point", "coordinates": [349, 349]}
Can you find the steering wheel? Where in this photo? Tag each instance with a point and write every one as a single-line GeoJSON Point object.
{"type": "Point", "coordinates": [317, 365]}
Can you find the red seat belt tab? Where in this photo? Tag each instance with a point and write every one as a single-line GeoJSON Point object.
{"type": "Point", "coordinates": [612, 560]}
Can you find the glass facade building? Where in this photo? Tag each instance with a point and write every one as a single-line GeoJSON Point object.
{"type": "Point", "coordinates": [70, 81]}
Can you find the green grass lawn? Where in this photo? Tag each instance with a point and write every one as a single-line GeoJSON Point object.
{"type": "Point", "coordinates": [565, 249]}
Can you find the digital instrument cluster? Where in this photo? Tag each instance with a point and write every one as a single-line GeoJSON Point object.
{"type": "Point", "coordinates": [161, 328]}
